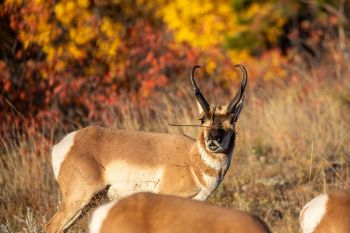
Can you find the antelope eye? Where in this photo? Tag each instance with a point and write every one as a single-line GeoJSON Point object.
{"type": "Point", "coordinates": [202, 120]}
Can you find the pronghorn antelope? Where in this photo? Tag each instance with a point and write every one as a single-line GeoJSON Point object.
{"type": "Point", "coordinates": [327, 213]}
{"type": "Point", "coordinates": [126, 161]}
{"type": "Point", "coordinates": [154, 213]}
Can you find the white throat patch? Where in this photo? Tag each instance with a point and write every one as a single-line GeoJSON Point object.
{"type": "Point", "coordinates": [312, 213]}
{"type": "Point", "coordinates": [211, 182]}
{"type": "Point", "coordinates": [214, 163]}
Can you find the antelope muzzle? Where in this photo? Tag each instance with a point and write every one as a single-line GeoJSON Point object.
{"type": "Point", "coordinates": [215, 138]}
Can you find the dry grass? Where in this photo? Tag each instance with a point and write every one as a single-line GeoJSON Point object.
{"type": "Point", "coordinates": [292, 144]}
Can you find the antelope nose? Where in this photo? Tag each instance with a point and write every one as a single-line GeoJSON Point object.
{"type": "Point", "coordinates": [217, 138]}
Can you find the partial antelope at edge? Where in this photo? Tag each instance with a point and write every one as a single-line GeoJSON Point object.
{"type": "Point", "coordinates": [327, 213]}
{"type": "Point", "coordinates": [154, 213]}
{"type": "Point", "coordinates": [128, 161]}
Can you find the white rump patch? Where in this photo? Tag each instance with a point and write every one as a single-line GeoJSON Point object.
{"type": "Point", "coordinates": [126, 179]}
{"type": "Point", "coordinates": [99, 215]}
{"type": "Point", "coordinates": [59, 152]}
{"type": "Point", "coordinates": [312, 213]}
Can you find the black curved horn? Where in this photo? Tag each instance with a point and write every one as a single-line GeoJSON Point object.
{"type": "Point", "coordinates": [202, 101]}
{"type": "Point", "coordinates": [238, 97]}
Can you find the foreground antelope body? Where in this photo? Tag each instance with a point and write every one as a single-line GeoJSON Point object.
{"type": "Point", "coordinates": [327, 213]}
{"type": "Point", "coordinates": [154, 213]}
{"type": "Point", "coordinates": [126, 161]}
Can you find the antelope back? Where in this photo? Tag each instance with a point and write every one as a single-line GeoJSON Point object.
{"type": "Point", "coordinates": [146, 212]}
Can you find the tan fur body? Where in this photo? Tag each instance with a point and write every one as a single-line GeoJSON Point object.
{"type": "Point", "coordinates": [336, 216]}
{"type": "Point", "coordinates": [132, 161]}
{"type": "Point", "coordinates": [152, 213]}
{"type": "Point", "coordinates": [126, 161]}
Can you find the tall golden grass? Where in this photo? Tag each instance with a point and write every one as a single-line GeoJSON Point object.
{"type": "Point", "coordinates": [293, 142]}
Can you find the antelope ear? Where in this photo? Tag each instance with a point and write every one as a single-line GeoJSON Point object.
{"type": "Point", "coordinates": [200, 109]}
{"type": "Point", "coordinates": [237, 111]}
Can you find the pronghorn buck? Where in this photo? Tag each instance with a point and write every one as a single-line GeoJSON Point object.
{"type": "Point", "coordinates": [327, 213]}
{"type": "Point", "coordinates": [127, 161]}
{"type": "Point", "coordinates": [154, 213]}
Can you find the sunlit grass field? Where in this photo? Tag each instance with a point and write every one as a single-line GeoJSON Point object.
{"type": "Point", "coordinates": [293, 142]}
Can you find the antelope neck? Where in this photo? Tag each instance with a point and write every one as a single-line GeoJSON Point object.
{"type": "Point", "coordinates": [208, 168]}
{"type": "Point", "coordinates": [209, 162]}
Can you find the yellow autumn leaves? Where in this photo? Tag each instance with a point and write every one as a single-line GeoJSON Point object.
{"type": "Point", "coordinates": [209, 23]}
{"type": "Point", "coordinates": [75, 29]}
{"type": "Point", "coordinates": [205, 23]}
{"type": "Point", "coordinates": [199, 23]}
{"type": "Point", "coordinates": [84, 27]}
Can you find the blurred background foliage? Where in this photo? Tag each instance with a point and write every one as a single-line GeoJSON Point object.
{"type": "Point", "coordinates": [125, 64]}
{"type": "Point", "coordinates": [66, 61]}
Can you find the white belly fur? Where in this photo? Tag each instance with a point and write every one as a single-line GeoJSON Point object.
{"type": "Point", "coordinates": [60, 151]}
{"type": "Point", "coordinates": [126, 179]}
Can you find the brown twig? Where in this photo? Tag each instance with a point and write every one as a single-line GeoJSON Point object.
{"type": "Point", "coordinates": [188, 125]}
